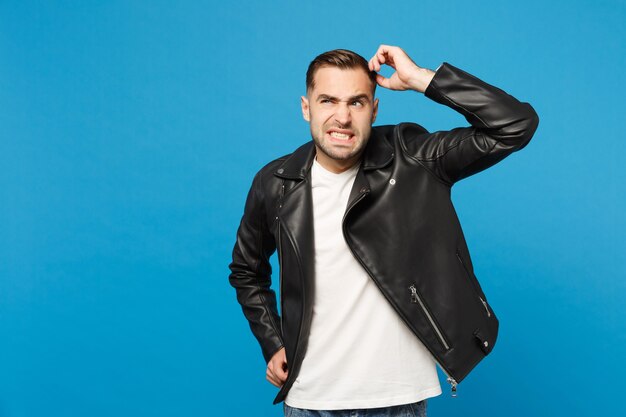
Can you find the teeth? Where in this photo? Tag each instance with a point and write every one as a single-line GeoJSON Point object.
{"type": "Point", "coordinates": [339, 135]}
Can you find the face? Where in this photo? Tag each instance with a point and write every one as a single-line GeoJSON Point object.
{"type": "Point", "coordinates": [340, 110]}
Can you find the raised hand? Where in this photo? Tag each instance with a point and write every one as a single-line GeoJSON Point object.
{"type": "Point", "coordinates": [408, 75]}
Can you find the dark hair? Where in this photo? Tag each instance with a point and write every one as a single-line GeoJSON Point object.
{"type": "Point", "coordinates": [340, 58]}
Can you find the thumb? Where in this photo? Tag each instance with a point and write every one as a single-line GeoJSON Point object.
{"type": "Point", "coordinates": [382, 81]}
{"type": "Point", "coordinates": [281, 370]}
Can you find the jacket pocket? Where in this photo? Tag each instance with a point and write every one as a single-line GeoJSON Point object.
{"type": "Point", "coordinates": [475, 285]}
{"type": "Point", "coordinates": [416, 298]}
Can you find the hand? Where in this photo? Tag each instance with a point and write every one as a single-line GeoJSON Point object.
{"type": "Point", "coordinates": [277, 371]}
{"type": "Point", "coordinates": [408, 75]}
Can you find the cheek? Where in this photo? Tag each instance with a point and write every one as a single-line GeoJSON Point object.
{"type": "Point", "coordinates": [365, 123]}
{"type": "Point", "coordinates": [320, 121]}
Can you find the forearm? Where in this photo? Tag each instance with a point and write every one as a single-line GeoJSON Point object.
{"type": "Point", "coordinates": [486, 107]}
{"type": "Point", "coordinates": [500, 125]}
{"type": "Point", "coordinates": [251, 273]}
{"type": "Point", "coordinates": [258, 303]}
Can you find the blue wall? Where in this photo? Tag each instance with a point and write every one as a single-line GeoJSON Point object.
{"type": "Point", "coordinates": [129, 135]}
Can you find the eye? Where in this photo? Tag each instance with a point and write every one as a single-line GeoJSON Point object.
{"type": "Point", "coordinates": [357, 103]}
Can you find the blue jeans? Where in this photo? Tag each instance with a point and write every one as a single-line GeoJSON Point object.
{"type": "Point", "coordinates": [417, 409]}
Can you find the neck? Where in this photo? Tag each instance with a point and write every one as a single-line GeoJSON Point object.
{"type": "Point", "coordinates": [334, 165]}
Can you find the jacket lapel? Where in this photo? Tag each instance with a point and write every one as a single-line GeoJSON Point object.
{"type": "Point", "coordinates": [297, 210]}
{"type": "Point", "coordinates": [378, 153]}
{"type": "Point", "coordinates": [297, 247]}
{"type": "Point", "coordinates": [296, 221]}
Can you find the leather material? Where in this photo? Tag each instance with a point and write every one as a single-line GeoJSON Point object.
{"type": "Point", "coordinates": [400, 224]}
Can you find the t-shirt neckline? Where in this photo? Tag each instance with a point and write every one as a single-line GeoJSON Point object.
{"type": "Point", "coordinates": [329, 174]}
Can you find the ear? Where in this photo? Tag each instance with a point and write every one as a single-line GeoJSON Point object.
{"type": "Point", "coordinates": [375, 111]}
{"type": "Point", "coordinates": [304, 103]}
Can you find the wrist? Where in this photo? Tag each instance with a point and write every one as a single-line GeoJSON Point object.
{"type": "Point", "coordinates": [420, 79]}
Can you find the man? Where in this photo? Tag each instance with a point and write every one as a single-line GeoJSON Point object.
{"type": "Point", "coordinates": [376, 281]}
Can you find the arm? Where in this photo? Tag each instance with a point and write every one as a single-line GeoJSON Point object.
{"type": "Point", "coordinates": [251, 273]}
{"type": "Point", "coordinates": [500, 124]}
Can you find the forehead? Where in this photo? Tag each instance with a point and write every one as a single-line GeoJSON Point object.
{"type": "Point", "coordinates": [338, 82]}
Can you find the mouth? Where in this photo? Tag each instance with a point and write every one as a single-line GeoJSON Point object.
{"type": "Point", "coordinates": [340, 135]}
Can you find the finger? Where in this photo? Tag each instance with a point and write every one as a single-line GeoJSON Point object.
{"type": "Point", "coordinates": [278, 373]}
{"type": "Point", "coordinates": [381, 49]}
{"type": "Point", "coordinates": [281, 372]}
{"type": "Point", "coordinates": [386, 54]}
{"type": "Point", "coordinates": [388, 49]}
{"type": "Point", "coordinates": [378, 60]}
{"type": "Point", "coordinates": [269, 372]}
{"type": "Point", "coordinates": [273, 382]}
{"type": "Point", "coordinates": [370, 64]}
{"type": "Point", "coordinates": [373, 64]}
{"type": "Point", "coordinates": [388, 59]}
{"type": "Point", "coordinates": [272, 379]}
{"type": "Point", "coordinates": [381, 57]}
{"type": "Point", "coordinates": [382, 81]}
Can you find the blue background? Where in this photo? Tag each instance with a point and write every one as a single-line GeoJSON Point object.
{"type": "Point", "coordinates": [129, 135]}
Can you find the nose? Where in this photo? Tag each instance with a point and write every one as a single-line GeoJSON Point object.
{"type": "Point", "coordinates": [342, 114]}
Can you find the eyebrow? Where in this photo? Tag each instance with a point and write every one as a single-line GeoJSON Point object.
{"type": "Point", "coordinates": [353, 98]}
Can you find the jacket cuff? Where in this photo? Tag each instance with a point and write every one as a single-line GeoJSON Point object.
{"type": "Point", "coordinates": [431, 81]}
{"type": "Point", "coordinates": [432, 91]}
{"type": "Point", "coordinates": [270, 347]}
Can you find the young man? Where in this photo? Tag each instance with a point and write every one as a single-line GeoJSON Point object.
{"type": "Point", "coordinates": [376, 281]}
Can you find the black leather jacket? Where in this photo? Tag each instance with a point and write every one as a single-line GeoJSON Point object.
{"type": "Point", "coordinates": [400, 225]}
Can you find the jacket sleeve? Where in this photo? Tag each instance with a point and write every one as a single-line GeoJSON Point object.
{"type": "Point", "coordinates": [251, 273]}
{"type": "Point", "coordinates": [500, 125]}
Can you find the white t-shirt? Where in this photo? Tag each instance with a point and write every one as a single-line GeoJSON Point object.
{"type": "Point", "coordinates": [360, 353]}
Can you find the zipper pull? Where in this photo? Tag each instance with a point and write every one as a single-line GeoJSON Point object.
{"type": "Point", "coordinates": [485, 305]}
{"type": "Point", "coordinates": [282, 194]}
{"type": "Point", "coordinates": [413, 293]}
{"type": "Point", "coordinates": [453, 385]}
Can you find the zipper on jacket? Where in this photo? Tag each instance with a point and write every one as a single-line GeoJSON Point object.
{"type": "Point", "coordinates": [280, 280]}
{"type": "Point", "coordinates": [290, 362]}
{"type": "Point", "coordinates": [280, 260]}
{"type": "Point", "coordinates": [282, 195]}
{"type": "Point", "coordinates": [485, 305]}
{"type": "Point", "coordinates": [453, 385]}
{"type": "Point", "coordinates": [458, 255]}
{"type": "Point", "coordinates": [415, 298]}
{"type": "Point", "coordinates": [450, 379]}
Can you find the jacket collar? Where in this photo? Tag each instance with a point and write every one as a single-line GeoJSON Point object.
{"type": "Point", "coordinates": [378, 153]}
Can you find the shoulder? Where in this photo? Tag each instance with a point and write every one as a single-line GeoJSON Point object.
{"type": "Point", "coordinates": [389, 131]}
{"type": "Point", "coordinates": [265, 175]}
{"type": "Point", "coordinates": [271, 167]}
{"type": "Point", "coordinates": [270, 172]}
{"type": "Point", "coordinates": [402, 133]}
